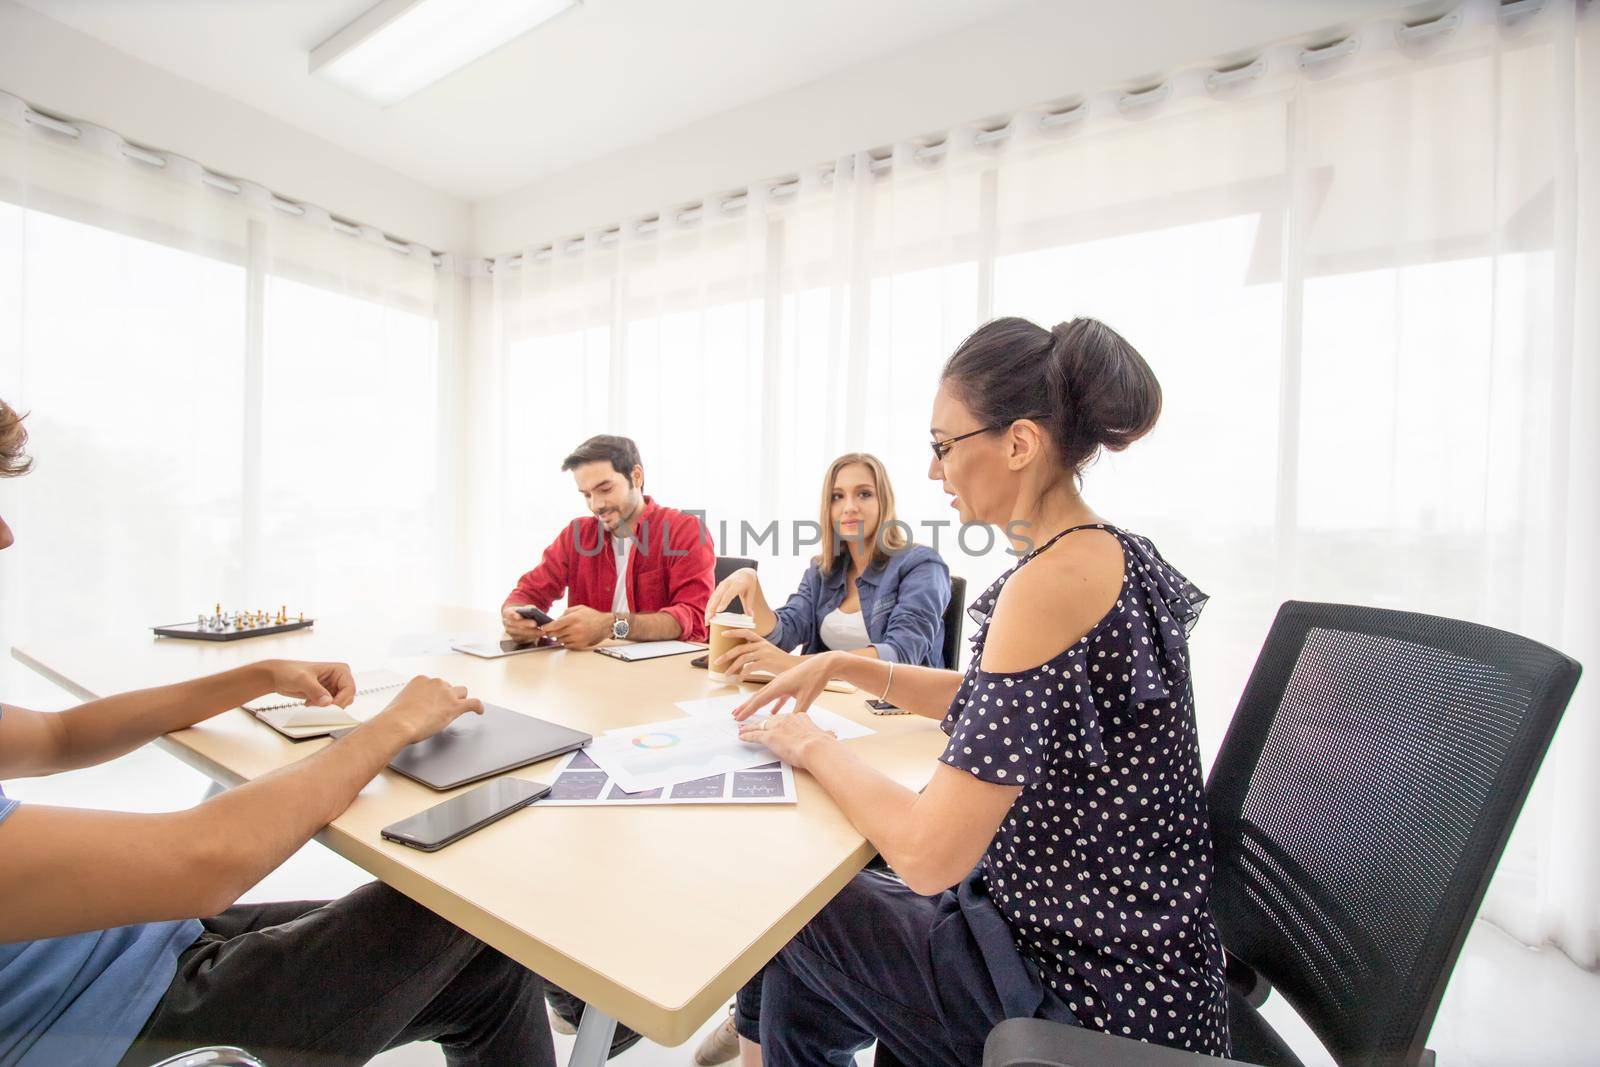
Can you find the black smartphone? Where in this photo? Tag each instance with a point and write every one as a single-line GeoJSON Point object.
{"type": "Point", "coordinates": [703, 662]}
{"type": "Point", "coordinates": [459, 816]}
{"type": "Point", "coordinates": [883, 707]}
{"type": "Point", "coordinates": [528, 611]}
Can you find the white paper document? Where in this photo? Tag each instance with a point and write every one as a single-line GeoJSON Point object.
{"type": "Point", "coordinates": [580, 783]}
{"type": "Point", "coordinates": [844, 729]}
{"type": "Point", "coordinates": [665, 753]}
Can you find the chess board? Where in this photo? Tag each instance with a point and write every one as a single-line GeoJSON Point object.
{"type": "Point", "coordinates": [219, 627]}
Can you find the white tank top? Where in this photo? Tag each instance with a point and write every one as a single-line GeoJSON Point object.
{"type": "Point", "coordinates": [844, 631]}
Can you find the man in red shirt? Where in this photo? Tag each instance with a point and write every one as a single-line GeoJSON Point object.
{"type": "Point", "coordinates": [634, 570]}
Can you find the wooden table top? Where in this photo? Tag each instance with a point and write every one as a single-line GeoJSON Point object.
{"type": "Point", "coordinates": [656, 914]}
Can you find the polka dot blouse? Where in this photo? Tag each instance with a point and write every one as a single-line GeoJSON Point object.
{"type": "Point", "coordinates": [1103, 865]}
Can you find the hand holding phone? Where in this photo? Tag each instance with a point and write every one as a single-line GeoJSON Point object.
{"type": "Point", "coordinates": [523, 622]}
{"type": "Point", "coordinates": [457, 817]}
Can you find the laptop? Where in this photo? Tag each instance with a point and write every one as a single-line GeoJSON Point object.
{"type": "Point", "coordinates": [474, 747]}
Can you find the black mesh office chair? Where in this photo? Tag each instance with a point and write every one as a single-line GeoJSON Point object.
{"type": "Point", "coordinates": [726, 565]}
{"type": "Point", "coordinates": [1360, 802]}
{"type": "Point", "coordinates": [954, 612]}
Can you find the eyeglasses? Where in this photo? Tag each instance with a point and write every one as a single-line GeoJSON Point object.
{"type": "Point", "coordinates": [942, 448]}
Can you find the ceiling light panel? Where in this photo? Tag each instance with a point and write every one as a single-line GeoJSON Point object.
{"type": "Point", "coordinates": [402, 46]}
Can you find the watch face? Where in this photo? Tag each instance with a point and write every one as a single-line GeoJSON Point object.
{"type": "Point", "coordinates": [619, 629]}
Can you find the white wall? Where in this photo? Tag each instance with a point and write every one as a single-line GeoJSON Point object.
{"type": "Point", "coordinates": [69, 73]}
{"type": "Point", "coordinates": [1051, 50]}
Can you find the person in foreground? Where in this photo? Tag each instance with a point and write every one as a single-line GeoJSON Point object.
{"type": "Point", "coordinates": [1058, 864]}
{"type": "Point", "coordinates": [870, 591]}
{"type": "Point", "coordinates": [102, 959]}
{"type": "Point", "coordinates": [633, 570]}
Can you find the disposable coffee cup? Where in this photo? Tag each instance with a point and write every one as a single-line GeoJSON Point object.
{"type": "Point", "coordinates": [722, 625]}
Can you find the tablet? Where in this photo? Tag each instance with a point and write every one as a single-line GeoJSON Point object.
{"type": "Point", "coordinates": [489, 648]}
{"type": "Point", "coordinates": [475, 747]}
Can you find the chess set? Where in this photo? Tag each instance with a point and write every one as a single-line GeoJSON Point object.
{"type": "Point", "coordinates": [226, 626]}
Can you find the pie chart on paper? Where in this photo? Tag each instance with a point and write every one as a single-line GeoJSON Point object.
{"type": "Point", "coordinates": [653, 755]}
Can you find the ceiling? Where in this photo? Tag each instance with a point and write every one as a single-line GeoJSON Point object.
{"type": "Point", "coordinates": [602, 77]}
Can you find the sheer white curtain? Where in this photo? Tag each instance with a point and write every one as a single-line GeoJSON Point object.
{"type": "Point", "coordinates": [1366, 282]}
{"type": "Point", "coordinates": [226, 403]}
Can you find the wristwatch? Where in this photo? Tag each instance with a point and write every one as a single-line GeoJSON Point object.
{"type": "Point", "coordinates": [619, 628]}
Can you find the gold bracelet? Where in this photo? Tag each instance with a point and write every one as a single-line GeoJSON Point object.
{"type": "Point", "coordinates": [890, 685]}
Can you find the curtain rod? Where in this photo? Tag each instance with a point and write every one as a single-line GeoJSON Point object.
{"type": "Point", "coordinates": [32, 116]}
{"type": "Point", "coordinates": [881, 160]}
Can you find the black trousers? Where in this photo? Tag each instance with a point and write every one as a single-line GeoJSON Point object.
{"type": "Point", "coordinates": [336, 983]}
{"type": "Point", "coordinates": [927, 978]}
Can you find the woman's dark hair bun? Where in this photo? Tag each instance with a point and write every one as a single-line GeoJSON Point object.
{"type": "Point", "coordinates": [1106, 390]}
{"type": "Point", "coordinates": [1087, 385]}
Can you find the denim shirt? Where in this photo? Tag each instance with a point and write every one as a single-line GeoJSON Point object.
{"type": "Point", "coordinates": [902, 602]}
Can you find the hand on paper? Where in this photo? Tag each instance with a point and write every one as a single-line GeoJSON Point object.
{"type": "Point", "coordinates": [801, 683]}
{"type": "Point", "coordinates": [789, 737]}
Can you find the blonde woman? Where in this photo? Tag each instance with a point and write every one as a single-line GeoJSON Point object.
{"type": "Point", "coordinates": [870, 592]}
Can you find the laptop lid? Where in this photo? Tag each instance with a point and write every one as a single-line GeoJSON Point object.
{"type": "Point", "coordinates": [472, 748]}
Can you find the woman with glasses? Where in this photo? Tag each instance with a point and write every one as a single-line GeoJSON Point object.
{"type": "Point", "coordinates": [1058, 863]}
{"type": "Point", "coordinates": [870, 592]}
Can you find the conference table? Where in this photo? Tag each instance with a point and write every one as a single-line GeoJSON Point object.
{"type": "Point", "coordinates": [654, 915]}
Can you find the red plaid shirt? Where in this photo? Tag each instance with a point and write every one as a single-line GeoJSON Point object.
{"type": "Point", "coordinates": [670, 568]}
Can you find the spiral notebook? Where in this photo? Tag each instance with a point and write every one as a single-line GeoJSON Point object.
{"type": "Point", "coordinates": [298, 721]}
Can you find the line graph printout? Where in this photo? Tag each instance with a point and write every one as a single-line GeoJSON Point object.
{"type": "Point", "coordinates": [660, 754]}
{"type": "Point", "coordinates": [579, 782]}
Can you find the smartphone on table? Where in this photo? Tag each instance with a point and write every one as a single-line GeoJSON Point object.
{"type": "Point", "coordinates": [457, 817]}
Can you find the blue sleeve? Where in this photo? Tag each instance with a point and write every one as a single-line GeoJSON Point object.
{"type": "Point", "coordinates": [797, 619]}
{"type": "Point", "coordinates": [915, 630]}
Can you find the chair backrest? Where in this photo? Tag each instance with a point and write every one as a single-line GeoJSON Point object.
{"type": "Point", "coordinates": [726, 565]}
{"type": "Point", "coordinates": [954, 612]}
{"type": "Point", "coordinates": [1360, 802]}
